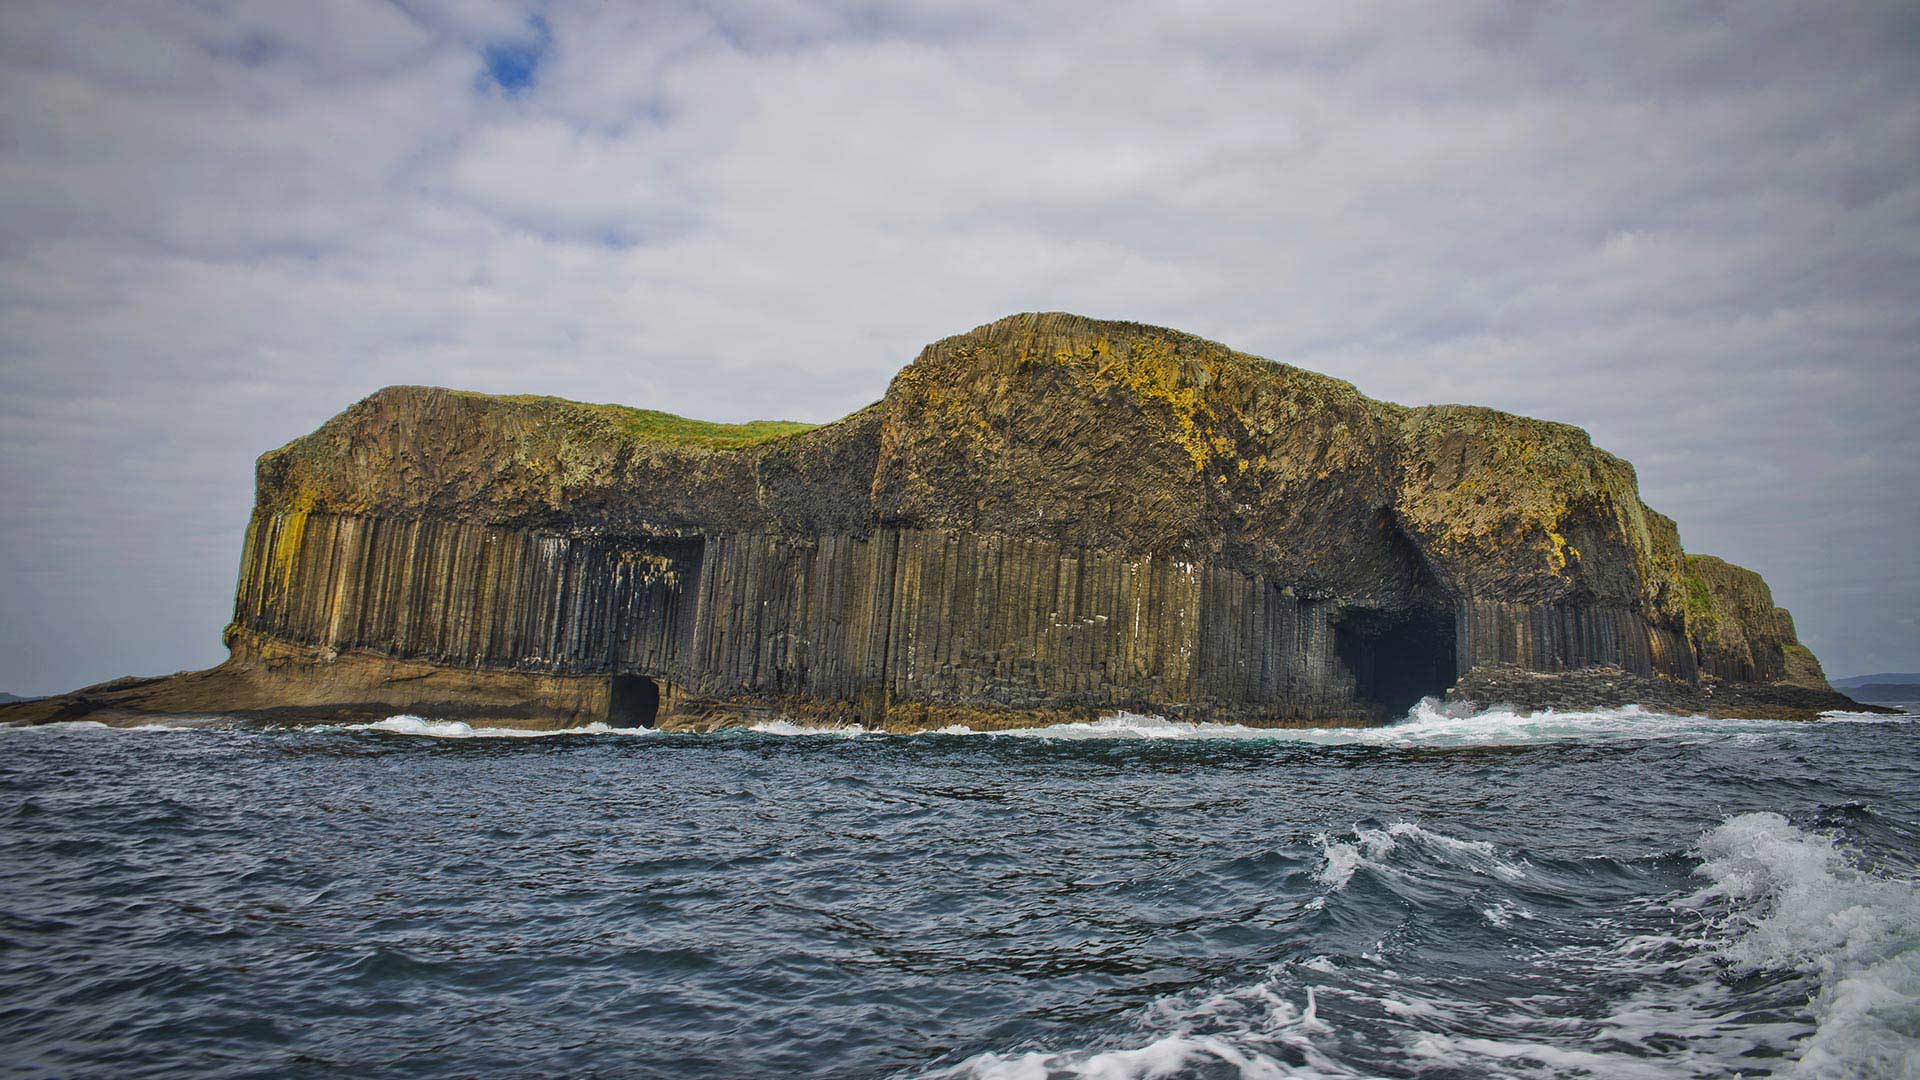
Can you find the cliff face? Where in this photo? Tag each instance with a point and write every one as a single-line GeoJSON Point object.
{"type": "Point", "coordinates": [543, 463]}
{"type": "Point", "coordinates": [1739, 635]}
{"type": "Point", "coordinates": [1045, 518]}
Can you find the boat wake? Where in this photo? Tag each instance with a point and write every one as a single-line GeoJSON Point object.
{"type": "Point", "coordinates": [1789, 961]}
{"type": "Point", "coordinates": [1130, 898]}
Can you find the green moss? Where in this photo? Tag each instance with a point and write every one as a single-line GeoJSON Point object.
{"type": "Point", "coordinates": [651, 425]}
{"type": "Point", "coordinates": [1802, 668]}
{"type": "Point", "coordinates": [1199, 395]}
{"type": "Point", "coordinates": [1736, 627]}
{"type": "Point", "coordinates": [1699, 595]}
{"type": "Point", "coordinates": [1517, 477]}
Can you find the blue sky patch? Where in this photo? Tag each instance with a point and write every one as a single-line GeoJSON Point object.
{"type": "Point", "coordinates": [512, 65]}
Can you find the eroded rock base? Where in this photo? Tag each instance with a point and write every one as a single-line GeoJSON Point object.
{"type": "Point", "coordinates": [1609, 688]}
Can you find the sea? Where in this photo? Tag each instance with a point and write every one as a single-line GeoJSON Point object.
{"type": "Point", "coordinates": [1617, 894]}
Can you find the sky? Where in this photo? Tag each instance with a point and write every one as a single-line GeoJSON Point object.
{"type": "Point", "coordinates": [1692, 229]}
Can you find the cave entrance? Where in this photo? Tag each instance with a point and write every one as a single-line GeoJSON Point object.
{"type": "Point", "coordinates": [633, 701]}
{"type": "Point", "coordinates": [1396, 659]}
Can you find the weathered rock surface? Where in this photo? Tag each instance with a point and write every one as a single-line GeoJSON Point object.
{"type": "Point", "coordinates": [1047, 518]}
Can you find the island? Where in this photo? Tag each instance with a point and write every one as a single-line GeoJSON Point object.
{"type": "Point", "coordinates": [1049, 518]}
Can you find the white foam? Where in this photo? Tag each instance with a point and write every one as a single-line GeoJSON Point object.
{"type": "Point", "coordinates": [1839, 716]}
{"type": "Point", "coordinates": [791, 728]}
{"type": "Point", "coordinates": [456, 729]}
{"type": "Point", "coordinates": [1433, 723]}
{"type": "Point", "coordinates": [1790, 900]}
{"type": "Point", "coordinates": [1260, 1024]}
{"type": "Point", "coordinates": [1501, 913]}
{"type": "Point", "coordinates": [1341, 861]}
{"type": "Point", "coordinates": [1778, 901]}
{"type": "Point", "coordinates": [60, 726]}
{"type": "Point", "coordinates": [1373, 848]}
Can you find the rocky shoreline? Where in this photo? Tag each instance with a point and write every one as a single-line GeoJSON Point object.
{"type": "Point", "coordinates": [1599, 688]}
{"type": "Point", "coordinates": [1046, 518]}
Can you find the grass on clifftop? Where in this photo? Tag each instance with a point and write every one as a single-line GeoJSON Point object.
{"type": "Point", "coordinates": [652, 425]}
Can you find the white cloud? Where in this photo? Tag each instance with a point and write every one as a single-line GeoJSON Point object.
{"type": "Point", "coordinates": [547, 175]}
{"type": "Point", "coordinates": [1696, 236]}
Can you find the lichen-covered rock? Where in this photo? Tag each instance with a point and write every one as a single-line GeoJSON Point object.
{"type": "Point", "coordinates": [1738, 633]}
{"type": "Point", "coordinates": [1527, 510]}
{"type": "Point", "coordinates": [416, 451]}
{"type": "Point", "coordinates": [1047, 517]}
{"type": "Point", "coordinates": [1133, 438]}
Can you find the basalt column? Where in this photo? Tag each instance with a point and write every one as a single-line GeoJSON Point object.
{"type": "Point", "coordinates": [473, 595]}
{"type": "Point", "coordinates": [912, 625]}
{"type": "Point", "coordinates": [1046, 518]}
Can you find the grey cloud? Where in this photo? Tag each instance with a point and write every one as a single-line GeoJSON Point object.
{"type": "Point", "coordinates": [1694, 231]}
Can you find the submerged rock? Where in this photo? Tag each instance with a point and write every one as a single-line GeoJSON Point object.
{"type": "Point", "coordinates": [1047, 518]}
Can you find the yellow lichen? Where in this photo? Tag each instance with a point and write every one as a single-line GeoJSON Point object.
{"type": "Point", "coordinates": [1154, 375]}
{"type": "Point", "coordinates": [1559, 554]}
{"type": "Point", "coordinates": [291, 533]}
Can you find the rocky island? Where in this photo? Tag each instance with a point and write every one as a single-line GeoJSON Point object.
{"type": "Point", "coordinates": [1047, 518]}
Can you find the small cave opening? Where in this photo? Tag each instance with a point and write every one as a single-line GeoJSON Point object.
{"type": "Point", "coordinates": [1397, 658]}
{"type": "Point", "coordinates": [633, 701]}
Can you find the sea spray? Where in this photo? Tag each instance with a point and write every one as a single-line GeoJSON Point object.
{"type": "Point", "coordinates": [1785, 899]}
{"type": "Point", "coordinates": [1431, 723]}
{"type": "Point", "coordinates": [459, 729]}
{"type": "Point", "coordinates": [1371, 848]}
{"type": "Point", "coordinates": [1781, 903]}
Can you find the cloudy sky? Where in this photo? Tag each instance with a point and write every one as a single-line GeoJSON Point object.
{"type": "Point", "coordinates": [1692, 229]}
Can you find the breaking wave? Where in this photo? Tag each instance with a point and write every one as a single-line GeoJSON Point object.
{"type": "Point", "coordinates": [1432, 723]}
{"type": "Point", "coordinates": [1791, 961]}
{"type": "Point", "coordinates": [456, 729]}
{"type": "Point", "coordinates": [1784, 900]}
{"type": "Point", "coordinates": [791, 728]}
{"type": "Point", "coordinates": [1374, 848]}
{"type": "Point", "coordinates": [1133, 897]}
{"type": "Point", "coordinates": [1429, 724]}
{"type": "Point", "coordinates": [81, 726]}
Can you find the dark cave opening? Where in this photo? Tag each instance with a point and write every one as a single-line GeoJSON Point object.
{"type": "Point", "coordinates": [633, 701]}
{"type": "Point", "coordinates": [1397, 659]}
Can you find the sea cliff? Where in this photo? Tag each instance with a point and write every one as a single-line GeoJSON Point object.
{"type": "Point", "coordinates": [1047, 518]}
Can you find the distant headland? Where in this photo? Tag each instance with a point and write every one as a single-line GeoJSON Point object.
{"type": "Point", "coordinates": [1901, 686]}
{"type": "Point", "coordinates": [1047, 518]}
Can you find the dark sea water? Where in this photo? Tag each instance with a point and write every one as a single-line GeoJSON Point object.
{"type": "Point", "coordinates": [1610, 895]}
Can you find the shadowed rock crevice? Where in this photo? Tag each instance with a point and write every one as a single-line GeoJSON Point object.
{"type": "Point", "coordinates": [1396, 661]}
{"type": "Point", "coordinates": [633, 702]}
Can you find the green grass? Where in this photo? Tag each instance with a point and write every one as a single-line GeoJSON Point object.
{"type": "Point", "coordinates": [651, 425]}
{"type": "Point", "coordinates": [1699, 595]}
{"type": "Point", "coordinates": [679, 430]}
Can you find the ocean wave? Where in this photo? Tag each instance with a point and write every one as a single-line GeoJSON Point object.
{"type": "Point", "coordinates": [213, 723]}
{"type": "Point", "coordinates": [1790, 962]}
{"type": "Point", "coordinates": [1785, 899]}
{"type": "Point", "coordinates": [1260, 1030]}
{"type": "Point", "coordinates": [791, 728]}
{"type": "Point", "coordinates": [1373, 848]}
{"type": "Point", "coordinates": [1842, 716]}
{"type": "Point", "coordinates": [1429, 724]}
{"type": "Point", "coordinates": [1433, 723]}
{"type": "Point", "coordinates": [456, 729]}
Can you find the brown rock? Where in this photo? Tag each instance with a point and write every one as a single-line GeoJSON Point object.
{"type": "Point", "coordinates": [1047, 518]}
